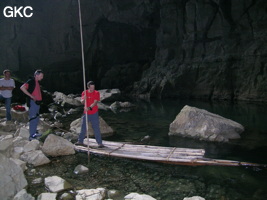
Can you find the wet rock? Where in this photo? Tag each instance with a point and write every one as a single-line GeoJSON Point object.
{"type": "Point", "coordinates": [114, 194]}
{"type": "Point", "coordinates": [91, 194]}
{"type": "Point", "coordinates": [57, 146]}
{"type": "Point", "coordinates": [47, 196]}
{"type": "Point", "coordinates": [136, 196]}
{"type": "Point", "coordinates": [105, 129]}
{"type": "Point", "coordinates": [80, 169]}
{"type": "Point", "coordinates": [108, 95]}
{"type": "Point", "coordinates": [194, 198]}
{"type": "Point", "coordinates": [66, 196]}
{"type": "Point", "coordinates": [23, 195]}
{"type": "Point", "coordinates": [63, 99]}
{"type": "Point", "coordinates": [37, 181]}
{"type": "Point", "coordinates": [35, 158]}
{"type": "Point", "coordinates": [12, 179]}
{"type": "Point", "coordinates": [57, 184]}
{"type": "Point", "coordinates": [201, 124]}
{"type": "Point", "coordinates": [121, 106]}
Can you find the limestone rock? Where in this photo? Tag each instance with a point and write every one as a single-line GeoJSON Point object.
{"type": "Point", "coordinates": [107, 95]}
{"type": "Point", "coordinates": [20, 163]}
{"type": "Point", "coordinates": [5, 142]}
{"type": "Point", "coordinates": [56, 184]}
{"type": "Point", "coordinates": [23, 195]}
{"type": "Point", "coordinates": [20, 116]}
{"type": "Point", "coordinates": [12, 179]}
{"type": "Point", "coordinates": [23, 132]}
{"type": "Point", "coordinates": [8, 127]}
{"type": "Point", "coordinates": [47, 196]}
{"type": "Point", "coordinates": [91, 194]}
{"type": "Point", "coordinates": [35, 158]}
{"type": "Point", "coordinates": [194, 198]}
{"type": "Point", "coordinates": [80, 169]}
{"type": "Point", "coordinates": [37, 181]}
{"type": "Point", "coordinates": [105, 129]}
{"type": "Point", "coordinates": [57, 146]}
{"type": "Point", "coordinates": [136, 196]}
{"type": "Point", "coordinates": [198, 123]}
{"type": "Point", "coordinates": [32, 146]}
{"type": "Point", "coordinates": [62, 98]}
{"type": "Point", "coordinates": [66, 196]}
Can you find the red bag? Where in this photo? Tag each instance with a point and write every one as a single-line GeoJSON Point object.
{"type": "Point", "coordinates": [19, 108]}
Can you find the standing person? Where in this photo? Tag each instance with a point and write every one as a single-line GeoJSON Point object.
{"type": "Point", "coordinates": [7, 84]}
{"type": "Point", "coordinates": [92, 96]}
{"type": "Point", "coordinates": [34, 97]}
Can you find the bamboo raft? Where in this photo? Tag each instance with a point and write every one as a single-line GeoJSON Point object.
{"type": "Point", "coordinates": [170, 155]}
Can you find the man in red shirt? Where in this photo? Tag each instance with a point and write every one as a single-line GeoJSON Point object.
{"type": "Point", "coordinates": [32, 89]}
{"type": "Point", "coordinates": [90, 98]}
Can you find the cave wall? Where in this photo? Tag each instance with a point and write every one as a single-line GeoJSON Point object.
{"type": "Point", "coordinates": [210, 49]}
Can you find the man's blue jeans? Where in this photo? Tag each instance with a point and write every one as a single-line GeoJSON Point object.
{"type": "Point", "coordinates": [33, 117]}
{"type": "Point", "coordinates": [8, 107]}
{"type": "Point", "coordinates": [94, 119]}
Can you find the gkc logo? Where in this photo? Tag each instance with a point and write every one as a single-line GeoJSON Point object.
{"type": "Point", "coordinates": [18, 12]}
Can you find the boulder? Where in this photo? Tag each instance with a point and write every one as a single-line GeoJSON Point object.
{"type": "Point", "coordinates": [47, 196]}
{"type": "Point", "coordinates": [108, 95]}
{"type": "Point", "coordinates": [122, 106]}
{"type": "Point", "coordinates": [136, 196]}
{"type": "Point", "coordinates": [80, 169]}
{"type": "Point", "coordinates": [32, 146]}
{"type": "Point", "coordinates": [57, 146]}
{"type": "Point", "coordinates": [12, 179]}
{"type": "Point", "coordinates": [201, 124]}
{"type": "Point", "coordinates": [20, 116]}
{"type": "Point", "coordinates": [7, 127]}
{"type": "Point", "coordinates": [57, 184]}
{"type": "Point", "coordinates": [35, 158]}
{"type": "Point", "coordinates": [5, 142]}
{"type": "Point", "coordinates": [23, 132]}
{"type": "Point", "coordinates": [20, 163]}
{"type": "Point", "coordinates": [105, 129]}
{"type": "Point", "coordinates": [63, 99]}
{"type": "Point", "coordinates": [194, 198]}
{"type": "Point", "coordinates": [23, 195]}
{"type": "Point", "coordinates": [91, 194]}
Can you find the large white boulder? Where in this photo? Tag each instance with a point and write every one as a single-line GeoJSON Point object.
{"type": "Point", "coordinates": [136, 196]}
{"type": "Point", "coordinates": [198, 123]}
{"type": "Point", "coordinates": [91, 194]}
{"type": "Point", "coordinates": [57, 146]}
{"type": "Point", "coordinates": [57, 184]}
{"type": "Point", "coordinates": [105, 129]}
{"type": "Point", "coordinates": [35, 158]}
{"type": "Point", "coordinates": [12, 179]}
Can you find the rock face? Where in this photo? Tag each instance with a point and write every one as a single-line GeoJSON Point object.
{"type": "Point", "coordinates": [12, 179]}
{"type": "Point", "coordinates": [161, 48]}
{"type": "Point", "coordinates": [57, 146]}
{"type": "Point", "coordinates": [201, 124]}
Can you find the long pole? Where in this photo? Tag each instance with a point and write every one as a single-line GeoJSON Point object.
{"type": "Point", "coordinates": [84, 80]}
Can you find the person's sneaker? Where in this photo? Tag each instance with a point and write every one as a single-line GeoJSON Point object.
{"type": "Point", "coordinates": [37, 135]}
{"type": "Point", "coordinates": [79, 144]}
{"type": "Point", "coordinates": [101, 146]}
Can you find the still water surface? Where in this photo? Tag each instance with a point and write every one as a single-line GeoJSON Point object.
{"type": "Point", "coordinates": [167, 182]}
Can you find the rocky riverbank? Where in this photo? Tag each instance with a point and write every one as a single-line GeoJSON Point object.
{"type": "Point", "coordinates": [18, 155]}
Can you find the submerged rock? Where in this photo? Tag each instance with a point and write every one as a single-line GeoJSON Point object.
{"type": "Point", "coordinates": [57, 146]}
{"type": "Point", "coordinates": [201, 124]}
{"type": "Point", "coordinates": [80, 169]}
